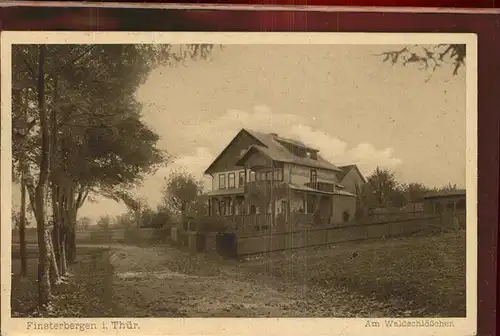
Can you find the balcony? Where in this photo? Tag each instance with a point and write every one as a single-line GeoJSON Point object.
{"type": "Point", "coordinates": [321, 186]}
{"type": "Point", "coordinates": [264, 187]}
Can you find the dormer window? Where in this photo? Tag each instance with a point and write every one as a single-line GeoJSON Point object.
{"type": "Point", "coordinates": [308, 154]}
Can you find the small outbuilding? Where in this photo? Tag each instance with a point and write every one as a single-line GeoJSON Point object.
{"type": "Point", "coordinates": [450, 205]}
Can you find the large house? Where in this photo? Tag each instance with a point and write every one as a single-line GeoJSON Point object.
{"type": "Point", "coordinates": [255, 159]}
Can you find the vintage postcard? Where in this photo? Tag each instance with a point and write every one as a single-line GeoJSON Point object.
{"type": "Point", "coordinates": [239, 183]}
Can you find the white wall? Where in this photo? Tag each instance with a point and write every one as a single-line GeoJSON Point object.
{"type": "Point", "coordinates": [350, 181]}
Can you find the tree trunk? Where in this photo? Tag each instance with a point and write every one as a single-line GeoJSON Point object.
{"type": "Point", "coordinates": [56, 245]}
{"type": "Point", "coordinates": [62, 252]}
{"type": "Point", "coordinates": [22, 227]}
{"type": "Point", "coordinates": [44, 290]}
{"type": "Point", "coordinates": [18, 103]}
{"type": "Point", "coordinates": [54, 269]}
{"type": "Point", "coordinates": [57, 222]}
{"type": "Point", "coordinates": [70, 222]}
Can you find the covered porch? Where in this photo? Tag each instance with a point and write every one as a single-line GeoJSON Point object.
{"type": "Point", "coordinates": [226, 202]}
{"type": "Point", "coordinates": [300, 207]}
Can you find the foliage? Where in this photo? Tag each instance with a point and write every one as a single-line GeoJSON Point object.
{"type": "Point", "coordinates": [124, 221]}
{"type": "Point", "coordinates": [383, 183]}
{"type": "Point", "coordinates": [104, 222]}
{"type": "Point", "coordinates": [448, 187]}
{"type": "Point", "coordinates": [365, 200]}
{"type": "Point", "coordinates": [398, 198]}
{"type": "Point", "coordinates": [77, 128]}
{"type": "Point", "coordinates": [181, 192]}
{"type": "Point", "coordinates": [84, 223]}
{"type": "Point", "coordinates": [16, 219]}
{"type": "Point", "coordinates": [415, 192]}
{"type": "Point", "coordinates": [429, 57]}
{"type": "Point", "coordinates": [161, 217]}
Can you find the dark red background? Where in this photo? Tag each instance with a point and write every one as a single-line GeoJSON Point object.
{"type": "Point", "coordinates": [391, 3]}
{"type": "Point", "coordinates": [487, 26]}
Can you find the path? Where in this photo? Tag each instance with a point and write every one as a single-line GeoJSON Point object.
{"type": "Point", "coordinates": [163, 281]}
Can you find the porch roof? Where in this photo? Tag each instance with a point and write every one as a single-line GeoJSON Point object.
{"type": "Point", "coordinates": [316, 191]}
{"type": "Point", "coordinates": [226, 192]}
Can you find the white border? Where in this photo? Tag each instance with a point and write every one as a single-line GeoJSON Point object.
{"type": "Point", "coordinates": [243, 326]}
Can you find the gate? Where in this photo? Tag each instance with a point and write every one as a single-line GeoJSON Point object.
{"type": "Point", "coordinates": [226, 245]}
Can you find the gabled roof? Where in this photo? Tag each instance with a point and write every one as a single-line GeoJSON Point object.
{"type": "Point", "coordinates": [273, 149]}
{"type": "Point", "coordinates": [346, 169]}
{"type": "Point", "coordinates": [252, 134]}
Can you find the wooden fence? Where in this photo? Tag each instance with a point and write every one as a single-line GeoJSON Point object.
{"type": "Point", "coordinates": [261, 223]}
{"type": "Point", "coordinates": [277, 241]}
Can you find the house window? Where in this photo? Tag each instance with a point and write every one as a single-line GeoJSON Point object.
{"type": "Point", "coordinates": [262, 176]}
{"type": "Point", "coordinates": [241, 179]}
{"type": "Point", "coordinates": [269, 175]}
{"type": "Point", "coordinates": [461, 204]}
{"type": "Point", "coordinates": [222, 181]}
{"type": "Point", "coordinates": [314, 178]}
{"type": "Point", "coordinates": [231, 180]}
{"type": "Point", "coordinates": [252, 176]}
{"type": "Point", "coordinates": [278, 174]}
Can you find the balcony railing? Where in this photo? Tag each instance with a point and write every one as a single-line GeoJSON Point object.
{"type": "Point", "coordinates": [322, 186]}
{"type": "Point", "coordinates": [264, 186]}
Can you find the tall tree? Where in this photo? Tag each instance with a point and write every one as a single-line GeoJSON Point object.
{"type": "Point", "coordinates": [37, 192]}
{"type": "Point", "coordinates": [83, 132]}
{"type": "Point", "coordinates": [415, 192]}
{"type": "Point", "coordinates": [383, 183]}
{"type": "Point", "coordinates": [181, 191]}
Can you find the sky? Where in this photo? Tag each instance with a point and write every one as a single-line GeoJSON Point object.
{"type": "Point", "coordinates": [341, 99]}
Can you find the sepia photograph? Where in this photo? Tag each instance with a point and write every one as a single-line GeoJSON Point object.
{"type": "Point", "coordinates": [203, 175]}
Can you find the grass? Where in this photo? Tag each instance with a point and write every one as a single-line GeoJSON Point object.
{"type": "Point", "coordinates": [410, 276]}
{"type": "Point", "coordinates": [417, 276]}
{"type": "Point", "coordinates": [87, 293]}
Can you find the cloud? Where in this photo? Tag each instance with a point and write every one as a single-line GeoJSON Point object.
{"type": "Point", "coordinates": [207, 139]}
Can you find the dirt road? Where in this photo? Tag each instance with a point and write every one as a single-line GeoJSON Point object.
{"type": "Point", "coordinates": [163, 281]}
